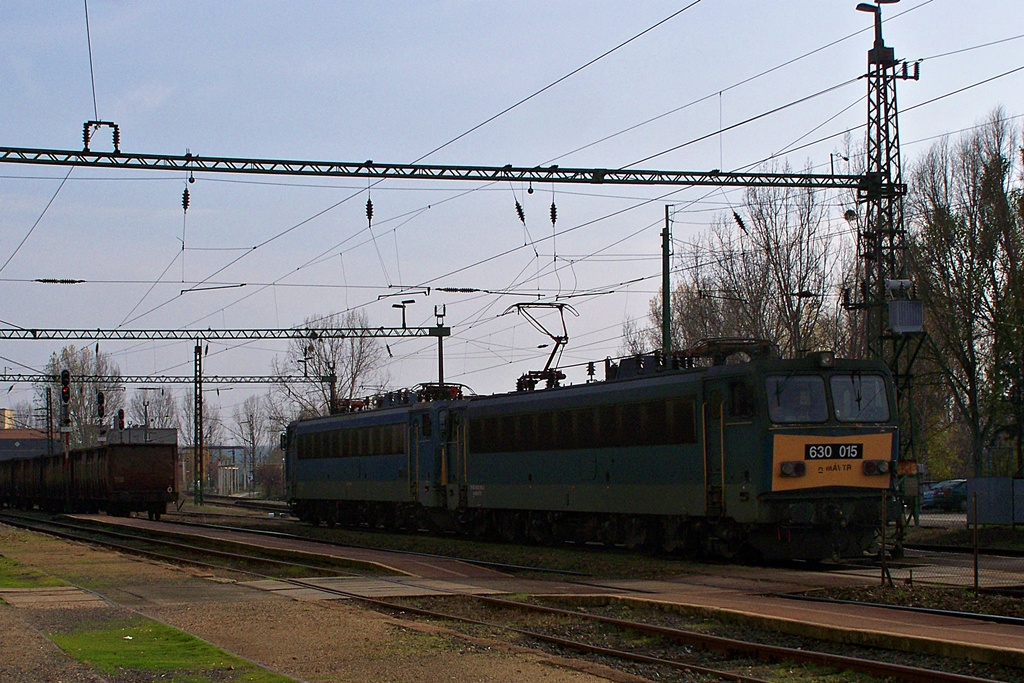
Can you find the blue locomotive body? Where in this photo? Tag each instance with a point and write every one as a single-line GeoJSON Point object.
{"type": "Point", "coordinates": [788, 459]}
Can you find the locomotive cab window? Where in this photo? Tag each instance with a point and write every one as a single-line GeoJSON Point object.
{"type": "Point", "coordinates": [796, 398]}
{"type": "Point", "coordinates": [859, 398]}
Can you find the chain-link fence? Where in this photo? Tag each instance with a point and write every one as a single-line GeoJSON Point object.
{"type": "Point", "coordinates": [972, 540]}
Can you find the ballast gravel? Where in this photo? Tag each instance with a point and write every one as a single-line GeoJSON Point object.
{"type": "Point", "coordinates": [307, 641]}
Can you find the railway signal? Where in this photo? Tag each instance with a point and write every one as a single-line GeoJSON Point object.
{"type": "Point", "coordinates": [120, 418]}
{"type": "Point", "coordinates": [65, 387]}
{"type": "Point", "coordinates": [99, 404]}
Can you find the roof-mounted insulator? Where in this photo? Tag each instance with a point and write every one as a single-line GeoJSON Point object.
{"type": "Point", "coordinates": [184, 200]}
{"type": "Point", "coordinates": [520, 213]}
{"type": "Point", "coordinates": [554, 214]}
{"type": "Point", "coordinates": [369, 212]}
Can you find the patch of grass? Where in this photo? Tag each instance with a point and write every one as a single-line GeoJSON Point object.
{"type": "Point", "coordinates": [16, 575]}
{"type": "Point", "coordinates": [140, 644]}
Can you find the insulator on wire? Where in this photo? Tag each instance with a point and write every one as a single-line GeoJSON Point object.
{"type": "Point", "coordinates": [184, 200]}
{"type": "Point", "coordinates": [520, 213]}
{"type": "Point", "coordinates": [369, 212]}
{"type": "Point", "coordinates": [554, 213]}
{"type": "Point", "coordinates": [739, 221]}
{"type": "Point", "coordinates": [117, 140]}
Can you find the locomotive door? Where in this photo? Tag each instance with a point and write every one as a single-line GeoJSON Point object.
{"type": "Point", "coordinates": [451, 435]}
{"type": "Point", "coordinates": [712, 425]}
{"type": "Point", "coordinates": [426, 472]}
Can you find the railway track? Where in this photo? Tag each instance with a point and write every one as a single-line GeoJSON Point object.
{"type": "Point", "coordinates": [248, 503]}
{"type": "Point", "coordinates": [732, 649]}
{"type": "Point", "coordinates": [610, 638]}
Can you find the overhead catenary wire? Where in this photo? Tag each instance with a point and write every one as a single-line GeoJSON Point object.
{"type": "Point", "coordinates": [556, 81]}
{"type": "Point", "coordinates": [477, 127]}
{"type": "Point", "coordinates": [92, 72]}
{"type": "Point", "coordinates": [553, 236]}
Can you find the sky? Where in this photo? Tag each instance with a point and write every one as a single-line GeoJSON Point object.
{"type": "Point", "coordinates": [399, 82]}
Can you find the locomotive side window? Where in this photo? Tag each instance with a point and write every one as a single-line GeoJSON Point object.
{"type": "Point", "coordinates": [650, 423]}
{"type": "Point", "coordinates": [545, 438]}
{"type": "Point", "coordinates": [565, 430]}
{"type": "Point", "coordinates": [796, 398]}
{"type": "Point", "coordinates": [586, 431]}
{"type": "Point", "coordinates": [657, 423]}
{"type": "Point", "coordinates": [859, 398]}
{"type": "Point", "coordinates": [741, 403]}
{"type": "Point", "coordinates": [681, 426]}
{"type": "Point", "coordinates": [506, 439]}
{"type": "Point", "coordinates": [608, 426]}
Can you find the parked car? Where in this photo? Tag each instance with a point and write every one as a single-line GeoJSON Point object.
{"type": "Point", "coordinates": [946, 495]}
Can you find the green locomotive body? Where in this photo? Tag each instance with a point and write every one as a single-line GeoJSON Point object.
{"type": "Point", "coordinates": [781, 459]}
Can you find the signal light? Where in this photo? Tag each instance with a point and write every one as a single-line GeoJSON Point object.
{"type": "Point", "coordinates": [65, 386]}
{"type": "Point", "coordinates": [120, 418]}
{"type": "Point", "coordinates": [99, 404]}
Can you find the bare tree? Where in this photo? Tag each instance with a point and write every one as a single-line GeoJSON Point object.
{"type": "Point", "coordinates": [355, 363]}
{"type": "Point", "coordinates": [213, 427]}
{"type": "Point", "coordinates": [23, 416]}
{"type": "Point", "coordinates": [966, 252]}
{"type": "Point", "coordinates": [153, 407]}
{"type": "Point", "coordinates": [775, 275]}
{"type": "Point", "coordinates": [212, 432]}
{"type": "Point", "coordinates": [250, 426]}
{"type": "Point", "coordinates": [82, 406]}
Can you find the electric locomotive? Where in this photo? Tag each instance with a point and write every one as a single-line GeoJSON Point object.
{"type": "Point", "coordinates": [774, 458]}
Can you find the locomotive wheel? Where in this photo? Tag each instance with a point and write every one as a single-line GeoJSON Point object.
{"type": "Point", "coordinates": [634, 533]}
{"type": "Point", "coordinates": [509, 527]}
{"type": "Point", "coordinates": [670, 535]}
{"type": "Point", "coordinates": [540, 529]}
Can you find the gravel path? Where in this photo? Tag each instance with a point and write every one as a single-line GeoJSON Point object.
{"type": "Point", "coordinates": [308, 641]}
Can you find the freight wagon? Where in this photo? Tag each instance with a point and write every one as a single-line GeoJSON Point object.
{"type": "Point", "coordinates": [116, 478]}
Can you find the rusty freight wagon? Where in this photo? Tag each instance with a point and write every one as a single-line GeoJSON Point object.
{"type": "Point", "coordinates": [116, 478]}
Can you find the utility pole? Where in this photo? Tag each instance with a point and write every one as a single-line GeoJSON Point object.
{"type": "Point", "coordinates": [197, 423]}
{"type": "Point", "coordinates": [666, 285]}
{"type": "Point", "coordinates": [49, 421]}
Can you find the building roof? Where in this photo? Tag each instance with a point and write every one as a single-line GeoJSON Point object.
{"type": "Point", "coordinates": [19, 434]}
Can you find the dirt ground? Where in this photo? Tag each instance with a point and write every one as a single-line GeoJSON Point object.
{"type": "Point", "coordinates": [308, 641]}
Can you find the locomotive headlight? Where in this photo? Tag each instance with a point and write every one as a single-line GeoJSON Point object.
{"type": "Point", "coordinates": [793, 468]}
{"type": "Point", "coordinates": [876, 467]}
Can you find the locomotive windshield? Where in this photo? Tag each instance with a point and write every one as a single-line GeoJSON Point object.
{"type": "Point", "coordinates": [859, 398]}
{"type": "Point", "coordinates": [856, 397]}
{"type": "Point", "coordinates": [796, 398]}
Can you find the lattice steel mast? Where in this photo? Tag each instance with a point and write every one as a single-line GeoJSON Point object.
{"type": "Point", "coordinates": [890, 317]}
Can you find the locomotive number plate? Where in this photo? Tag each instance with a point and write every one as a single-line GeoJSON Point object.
{"type": "Point", "coordinates": [834, 451]}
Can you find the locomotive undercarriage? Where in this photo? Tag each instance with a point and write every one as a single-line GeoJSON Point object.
{"type": "Point", "coordinates": [690, 536]}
